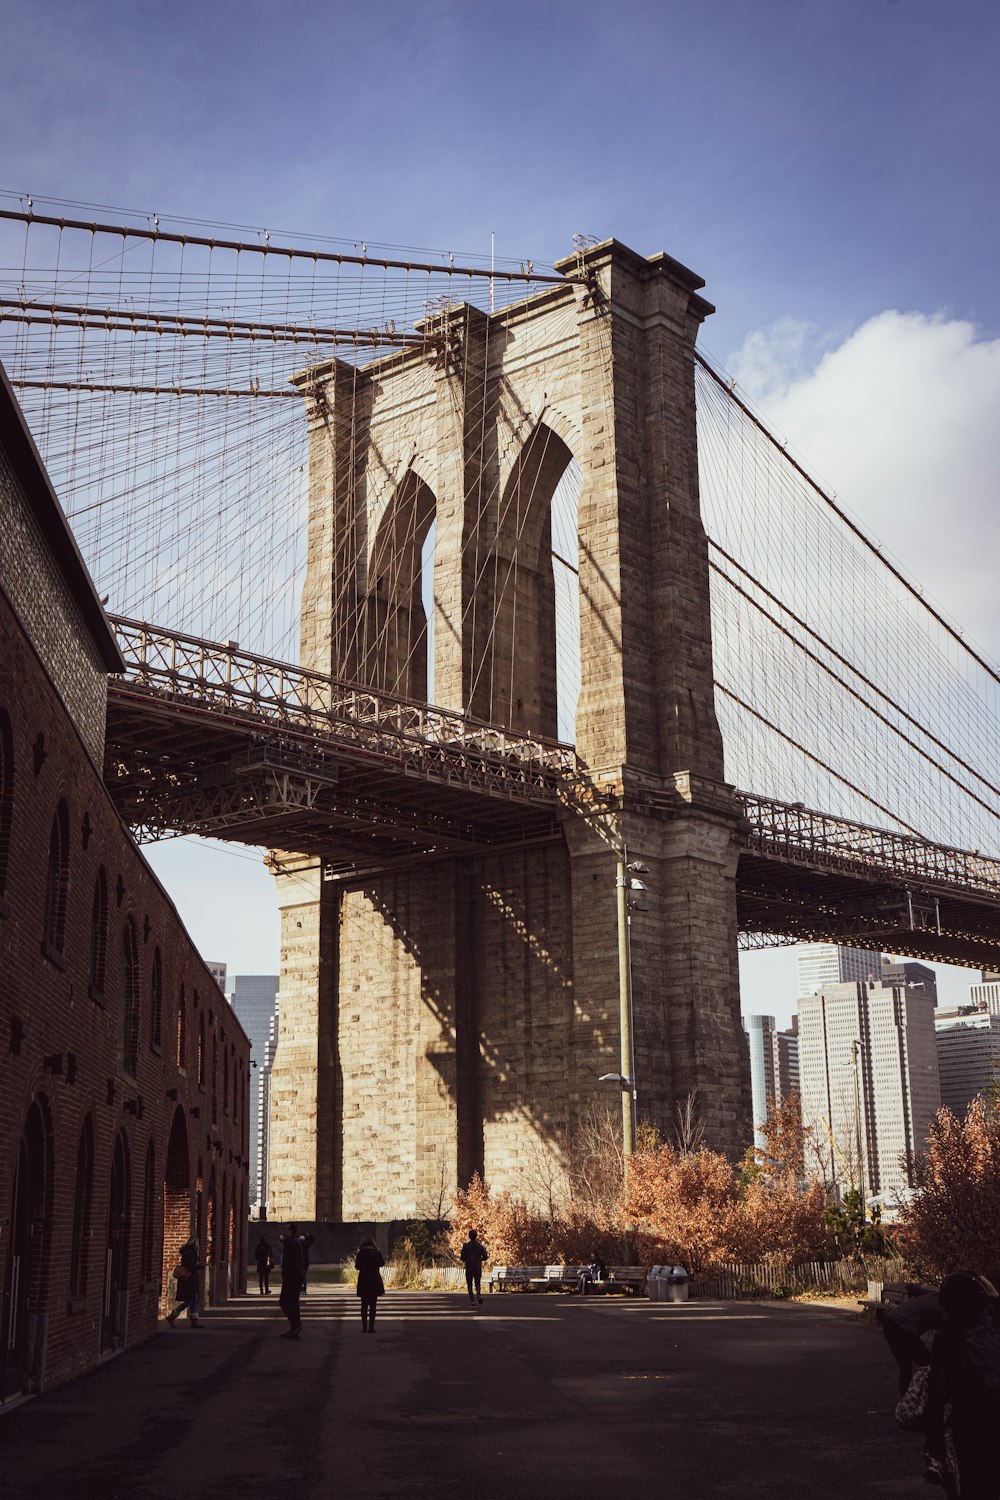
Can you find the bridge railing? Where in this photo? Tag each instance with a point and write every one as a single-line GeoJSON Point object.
{"type": "Point", "coordinates": [793, 831]}
{"type": "Point", "coordinates": [221, 676]}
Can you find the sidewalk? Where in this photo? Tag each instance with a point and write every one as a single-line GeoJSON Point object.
{"type": "Point", "coordinates": [529, 1396]}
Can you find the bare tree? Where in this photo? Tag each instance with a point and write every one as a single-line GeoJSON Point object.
{"type": "Point", "coordinates": [689, 1128]}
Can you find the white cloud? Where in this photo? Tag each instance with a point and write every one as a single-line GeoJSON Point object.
{"type": "Point", "coordinates": [902, 419]}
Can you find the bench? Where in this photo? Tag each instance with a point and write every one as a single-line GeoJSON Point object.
{"type": "Point", "coordinates": [630, 1279]}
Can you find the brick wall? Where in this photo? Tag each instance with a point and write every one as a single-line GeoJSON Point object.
{"type": "Point", "coordinates": [49, 615]}
{"type": "Point", "coordinates": [62, 1049]}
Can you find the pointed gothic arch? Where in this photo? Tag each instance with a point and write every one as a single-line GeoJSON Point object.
{"type": "Point", "coordinates": [397, 632]}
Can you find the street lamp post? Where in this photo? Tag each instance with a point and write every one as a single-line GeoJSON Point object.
{"type": "Point", "coordinates": [625, 1008]}
{"type": "Point", "coordinates": [856, 1056]}
{"type": "Point", "coordinates": [626, 882]}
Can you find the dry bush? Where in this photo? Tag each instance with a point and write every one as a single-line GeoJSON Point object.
{"type": "Point", "coordinates": [691, 1208]}
{"type": "Point", "coordinates": [680, 1203]}
{"type": "Point", "coordinates": [777, 1217]}
{"type": "Point", "coordinates": [954, 1223]}
{"type": "Point", "coordinates": [512, 1234]}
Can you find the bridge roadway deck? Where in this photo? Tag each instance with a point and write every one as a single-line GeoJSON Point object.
{"type": "Point", "coordinates": [204, 738]}
{"type": "Point", "coordinates": [529, 1398]}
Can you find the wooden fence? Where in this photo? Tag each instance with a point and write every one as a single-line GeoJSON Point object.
{"type": "Point", "coordinates": [776, 1278]}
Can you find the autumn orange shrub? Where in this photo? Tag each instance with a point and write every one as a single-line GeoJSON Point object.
{"type": "Point", "coordinates": [512, 1234]}
{"type": "Point", "coordinates": [954, 1222]}
{"type": "Point", "coordinates": [694, 1210]}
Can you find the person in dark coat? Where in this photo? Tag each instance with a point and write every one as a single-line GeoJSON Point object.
{"type": "Point", "coordinates": [472, 1255]}
{"type": "Point", "coordinates": [306, 1241]}
{"type": "Point", "coordinates": [904, 1327]}
{"type": "Point", "coordinates": [264, 1257]}
{"type": "Point", "coordinates": [963, 1401]}
{"type": "Point", "coordinates": [368, 1263]}
{"type": "Point", "coordinates": [291, 1281]}
{"type": "Point", "coordinates": [186, 1277]}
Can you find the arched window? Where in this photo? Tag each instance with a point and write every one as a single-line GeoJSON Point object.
{"type": "Point", "coordinates": [80, 1248]}
{"type": "Point", "coordinates": [128, 1000]}
{"type": "Point", "coordinates": [235, 1082]}
{"type": "Point", "coordinates": [182, 1029]}
{"type": "Point", "coordinates": [156, 1002]}
{"type": "Point", "coordinates": [99, 934]}
{"type": "Point", "coordinates": [201, 1043]}
{"type": "Point", "coordinates": [6, 795]}
{"type": "Point", "coordinates": [215, 1081]}
{"type": "Point", "coordinates": [225, 1078]}
{"type": "Point", "coordinates": [57, 882]}
{"type": "Point", "coordinates": [148, 1215]}
{"type": "Point", "coordinates": [528, 674]}
{"type": "Point", "coordinates": [398, 621]}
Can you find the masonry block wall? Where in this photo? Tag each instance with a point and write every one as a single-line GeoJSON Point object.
{"type": "Point", "coordinates": [466, 1008]}
{"type": "Point", "coordinates": [123, 1071]}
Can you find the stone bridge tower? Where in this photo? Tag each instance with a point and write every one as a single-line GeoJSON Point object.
{"type": "Point", "coordinates": [455, 1016]}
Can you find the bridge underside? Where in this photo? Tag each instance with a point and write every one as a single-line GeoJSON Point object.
{"type": "Point", "coordinates": [807, 904]}
{"type": "Point", "coordinates": [177, 763]}
{"type": "Point", "coordinates": [180, 767]}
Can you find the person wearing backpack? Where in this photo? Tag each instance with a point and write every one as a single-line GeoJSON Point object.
{"type": "Point", "coordinates": [186, 1278]}
{"type": "Point", "coordinates": [963, 1404]}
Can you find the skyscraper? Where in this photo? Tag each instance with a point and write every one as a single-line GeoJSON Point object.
{"type": "Point", "coordinates": [254, 999]}
{"type": "Point", "coordinates": [264, 1112]}
{"type": "Point", "coordinates": [968, 1046]}
{"type": "Point", "coordinates": [774, 1067]}
{"type": "Point", "coordinates": [822, 964]}
{"type": "Point", "coordinates": [908, 971]}
{"type": "Point", "coordinates": [218, 973]}
{"type": "Point", "coordinates": [891, 1100]}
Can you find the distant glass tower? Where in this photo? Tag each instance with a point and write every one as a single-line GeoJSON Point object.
{"type": "Point", "coordinates": [774, 1067]}
{"type": "Point", "coordinates": [254, 998]}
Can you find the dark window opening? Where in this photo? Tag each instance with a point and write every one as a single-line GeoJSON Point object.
{"type": "Point", "coordinates": [99, 934]}
{"type": "Point", "coordinates": [128, 1000]}
{"type": "Point", "coordinates": [156, 1002]}
{"type": "Point", "coordinates": [57, 882]}
{"type": "Point", "coordinates": [6, 796]}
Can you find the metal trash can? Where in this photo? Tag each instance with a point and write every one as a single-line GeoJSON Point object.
{"type": "Point", "coordinates": [677, 1284]}
{"type": "Point", "coordinates": [654, 1285]}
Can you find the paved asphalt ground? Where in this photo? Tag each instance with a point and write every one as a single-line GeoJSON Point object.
{"type": "Point", "coordinates": [544, 1396]}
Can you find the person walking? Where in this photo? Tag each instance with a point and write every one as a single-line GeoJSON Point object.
{"type": "Point", "coordinates": [306, 1241]}
{"type": "Point", "coordinates": [472, 1255]}
{"type": "Point", "coordinates": [368, 1263]}
{"type": "Point", "coordinates": [264, 1257]}
{"type": "Point", "coordinates": [291, 1281]}
{"type": "Point", "coordinates": [186, 1278]}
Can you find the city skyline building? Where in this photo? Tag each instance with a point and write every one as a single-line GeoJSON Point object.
{"type": "Point", "coordinates": [908, 971]}
{"type": "Point", "coordinates": [774, 1067]}
{"type": "Point", "coordinates": [218, 973]}
{"type": "Point", "coordinates": [823, 964]}
{"type": "Point", "coordinates": [968, 1047]}
{"type": "Point", "coordinates": [873, 1121]}
{"type": "Point", "coordinates": [264, 1111]}
{"type": "Point", "coordinates": [254, 998]}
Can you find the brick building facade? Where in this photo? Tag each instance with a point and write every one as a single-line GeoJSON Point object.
{"type": "Point", "coordinates": [123, 1072]}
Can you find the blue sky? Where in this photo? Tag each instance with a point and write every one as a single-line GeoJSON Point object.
{"type": "Point", "coordinates": [822, 162]}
